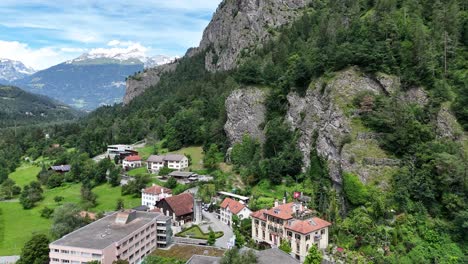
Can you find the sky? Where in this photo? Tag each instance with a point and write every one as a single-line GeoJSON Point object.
{"type": "Point", "coordinates": [43, 33]}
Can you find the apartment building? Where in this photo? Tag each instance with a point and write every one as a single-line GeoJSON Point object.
{"type": "Point", "coordinates": [292, 222]}
{"type": "Point", "coordinates": [172, 161]}
{"type": "Point", "coordinates": [153, 194]}
{"type": "Point", "coordinates": [230, 207]}
{"type": "Point", "coordinates": [128, 235]}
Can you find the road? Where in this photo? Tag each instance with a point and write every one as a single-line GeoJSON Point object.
{"type": "Point", "coordinates": [217, 225]}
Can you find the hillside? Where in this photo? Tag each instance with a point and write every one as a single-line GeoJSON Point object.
{"type": "Point", "coordinates": [18, 107]}
{"type": "Point", "coordinates": [359, 104]}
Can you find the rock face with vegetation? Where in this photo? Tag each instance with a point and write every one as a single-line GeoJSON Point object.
{"type": "Point", "coordinates": [245, 110]}
{"type": "Point", "coordinates": [237, 25]}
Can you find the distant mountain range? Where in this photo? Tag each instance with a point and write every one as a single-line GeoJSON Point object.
{"type": "Point", "coordinates": [18, 107]}
{"type": "Point", "coordinates": [85, 83]}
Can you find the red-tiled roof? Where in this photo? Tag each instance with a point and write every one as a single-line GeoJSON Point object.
{"type": "Point", "coordinates": [133, 158]}
{"type": "Point", "coordinates": [156, 189]}
{"type": "Point", "coordinates": [282, 211]}
{"type": "Point", "coordinates": [259, 214]}
{"type": "Point", "coordinates": [234, 206]}
{"type": "Point", "coordinates": [307, 226]}
{"type": "Point", "coordinates": [181, 204]}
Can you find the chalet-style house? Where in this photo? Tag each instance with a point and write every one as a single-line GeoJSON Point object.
{"type": "Point", "coordinates": [292, 222]}
{"type": "Point", "coordinates": [131, 162]}
{"type": "Point", "coordinates": [60, 168]}
{"type": "Point", "coordinates": [172, 161]}
{"type": "Point", "coordinates": [153, 194]}
{"type": "Point", "coordinates": [179, 207]}
{"type": "Point", "coordinates": [230, 207]}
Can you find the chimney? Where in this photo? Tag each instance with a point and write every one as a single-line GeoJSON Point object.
{"type": "Point", "coordinates": [294, 209]}
{"type": "Point", "coordinates": [284, 200]}
{"type": "Point", "coordinates": [276, 203]}
{"type": "Point", "coordinates": [162, 190]}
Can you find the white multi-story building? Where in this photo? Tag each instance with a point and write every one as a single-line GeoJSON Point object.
{"type": "Point", "coordinates": [131, 162]}
{"type": "Point", "coordinates": [127, 235]}
{"type": "Point", "coordinates": [172, 161]}
{"type": "Point", "coordinates": [230, 207]}
{"type": "Point", "coordinates": [113, 150]}
{"type": "Point", "coordinates": [291, 222]}
{"type": "Point", "coordinates": [153, 194]}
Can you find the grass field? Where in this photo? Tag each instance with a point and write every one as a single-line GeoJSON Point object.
{"type": "Point", "coordinates": [25, 174]}
{"type": "Point", "coordinates": [196, 232]}
{"type": "Point", "coordinates": [138, 171]}
{"type": "Point", "coordinates": [185, 252]}
{"type": "Point", "coordinates": [107, 198]}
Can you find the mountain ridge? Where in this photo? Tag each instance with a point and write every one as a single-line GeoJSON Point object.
{"type": "Point", "coordinates": [12, 70]}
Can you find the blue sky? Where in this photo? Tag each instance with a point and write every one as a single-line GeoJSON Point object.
{"type": "Point", "coordinates": [42, 33]}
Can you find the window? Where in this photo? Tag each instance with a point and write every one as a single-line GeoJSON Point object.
{"type": "Point", "coordinates": [298, 236]}
{"type": "Point", "coordinates": [322, 231]}
{"type": "Point", "coordinates": [96, 255]}
{"type": "Point", "coordinates": [55, 260]}
{"type": "Point", "coordinates": [65, 261]}
{"type": "Point", "coordinates": [86, 255]}
{"type": "Point", "coordinates": [290, 233]}
{"type": "Point", "coordinates": [64, 251]}
{"type": "Point", "coordinates": [56, 250]}
{"type": "Point", "coordinates": [307, 237]}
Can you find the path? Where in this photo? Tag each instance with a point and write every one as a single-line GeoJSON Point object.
{"type": "Point", "coordinates": [217, 225]}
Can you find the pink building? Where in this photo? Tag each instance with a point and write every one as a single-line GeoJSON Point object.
{"type": "Point", "coordinates": [127, 235]}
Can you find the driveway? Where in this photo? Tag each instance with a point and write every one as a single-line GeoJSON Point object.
{"type": "Point", "coordinates": [217, 225]}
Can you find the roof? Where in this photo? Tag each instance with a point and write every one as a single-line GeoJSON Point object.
{"type": "Point", "coordinates": [234, 206]}
{"type": "Point", "coordinates": [240, 197]}
{"type": "Point", "coordinates": [260, 214]}
{"type": "Point", "coordinates": [133, 158]}
{"type": "Point", "coordinates": [61, 168]}
{"type": "Point", "coordinates": [199, 259]}
{"type": "Point", "coordinates": [282, 211]}
{"type": "Point", "coordinates": [274, 255]}
{"type": "Point", "coordinates": [181, 204]}
{"type": "Point", "coordinates": [156, 189]}
{"type": "Point", "coordinates": [307, 226]}
{"type": "Point", "coordinates": [105, 231]}
{"type": "Point", "coordinates": [184, 174]}
{"type": "Point", "coordinates": [155, 158]}
{"type": "Point", "coordinates": [174, 157]}
{"type": "Point", "coordinates": [91, 215]}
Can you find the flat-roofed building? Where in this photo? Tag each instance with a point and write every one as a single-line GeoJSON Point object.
{"type": "Point", "coordinates": [128, 235]}
{"type": "Point", "coordinates": [113, 150]}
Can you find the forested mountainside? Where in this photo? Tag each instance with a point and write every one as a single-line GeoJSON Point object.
{"type": "Point", "coordinates": [362, 102]}
{"type": "Point", "coordinates": [18, 108]}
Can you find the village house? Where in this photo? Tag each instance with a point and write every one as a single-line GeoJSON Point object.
{"type": "Point", "coordinates": [184, 176]}
{"type": "Point", "coordinates": [60, 168]}
{"type": "Point", "coordinates": [131, 162]}
{"type": "Point", "coordinates": [291, 222]}
{"type": "Point", "coordinates": [178, 207]}
{"type": "Point", "coordinates": [229, 208]}
{"type": "Point", "coordinates": [127, 235]}
{"type": "Point", "coordinates": [176, 162]}
{"type": "Point", "coordinates": [153, 194]}
{"type": "Point", "coordinates": [116, 150]}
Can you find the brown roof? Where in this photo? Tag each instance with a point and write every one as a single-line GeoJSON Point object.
{"type": "Point", "coordinates": [282, 211]}
{"type": "Point", "coordinates": [173, 157]}
{"type": "Point", "coordinates": [260, 214]}
{"type": "Point", "coordinates": [307, 226]}
{"type": "Point", "coordinates": [133, 158]}
{"type": "Point", "coordinates": [156, 189]}
{"type": "Point", "coordinates": [181, 204]}
{"type": "Point", "coordinates": [234, 206]}
{"type": "Point", "coordinates": [156, 158]}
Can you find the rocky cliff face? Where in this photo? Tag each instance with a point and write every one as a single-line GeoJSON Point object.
{"type": "Point", "coordinates": [245, 114]}
{"type": "Point", "coordinates": [236, 26]}
{"type": "Point", "coordinates": [243, 24]}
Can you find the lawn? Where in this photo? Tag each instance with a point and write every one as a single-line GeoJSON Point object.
{"type": "Point", "coordinates": [196, 232]}
{"type": "Point", "coordinates": [185, 252]}
{"type": "Point", "coordinates": [25, 174]}
{"type": "Point", "coordinates": [138, 171]}
{"type": "Point", "coordinates": [107, 198]}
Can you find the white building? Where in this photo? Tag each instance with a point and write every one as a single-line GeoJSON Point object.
{"type": "Point", "coordinates": [153, 194]}
{"type": "Point", "coordinates": [291, 222]}
{"type": "Point", "coordinates": [113, 150]}
{"type": "Point", "coordinates": [172, 161]}
{"type": "Point", "coordinates": [131, 162]}
{"type": "Point", "coordinates": [230, 207]}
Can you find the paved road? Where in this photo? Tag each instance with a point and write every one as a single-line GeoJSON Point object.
{"type": "Point", "coordinates": [217, 225]}
{"type": "Point", "coordinates": [8, 259]}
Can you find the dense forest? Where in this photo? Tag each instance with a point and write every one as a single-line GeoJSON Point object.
{"type": "Point", "coordinates": [421, 218]}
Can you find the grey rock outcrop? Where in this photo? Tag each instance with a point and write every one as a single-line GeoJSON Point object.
{"type": "Point", "coordinates": [415, 95]}
{"type": "Point", "coordinates": [245, 114]}
{"type": "Point", "coordinates": [447, 125]}
{"type": "Point", "coordinates": [138, 84]}
{"type": "Point", "coordinates": [243, 24]}
{"type": "Point", "coordinates": [322, 113]}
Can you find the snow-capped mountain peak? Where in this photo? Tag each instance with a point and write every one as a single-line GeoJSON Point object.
{"type": "Point", "coordinates": [11, 70]}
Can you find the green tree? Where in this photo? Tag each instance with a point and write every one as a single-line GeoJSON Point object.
{"type": "Point", "coordinates": [30, 195]}
{"type": "Point", "coordinates": [171, 183]}
{"type": "Point", "coordinates": [285, 246]}
{"type": "Point", "coordinates": [120, 261]}
{"type": "Point", "coordinates": [355, 190]}
{"type": "Point", "coordinates": [313, 256]}
{"type": "Point", "coordinates": [35, 251]}
{"type": "Point", "coordinates": [120, 204]}
{"type": "Point", "coordinates": [211, 237]}
{"type": "Point", "coordinates": [134, 186]}
{"type": "Point", "coordinates": [46, 212]}
{"type": "Point", "coordinates": [58, 199]}
{"type": "Point", "coordinates": [114, 176]}
{"type": "Point", "coordinates": [88, 198]}
{"type": "Point", "coordinates": [212, 157]}
{"type": "Point", "coordinates": [66, 219]}
{"type": "Point", "coordinates": [164, 171]}
{"type": "Point", "coordinates": [8, 189]}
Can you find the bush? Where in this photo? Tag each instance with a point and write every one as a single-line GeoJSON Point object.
{"type": "Point", "coordinates": [356, 192]}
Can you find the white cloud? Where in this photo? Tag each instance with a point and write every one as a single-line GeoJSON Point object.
{"type": "Point", "coordinates": [40, 58]}
{"type": "Point", "coordinates": [72, 50]}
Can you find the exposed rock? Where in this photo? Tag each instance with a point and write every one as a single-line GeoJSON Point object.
{"type": "Point", "coordinates": [390, 83]}
{"type": "Point", "coordinates": [241, 24]}
{"type": "Point", "coordinates": [447, 125]}
{"type": "Point", "coordinates": [415, 95]}
{"type": "Point", "coordinates": [322, 112]}
{"type": "Point", "coordinates": [138, 84]}
{"type": "Point", "coordinates": [245, 114]}
{"type": "Point", "coordinates": [381, 161]}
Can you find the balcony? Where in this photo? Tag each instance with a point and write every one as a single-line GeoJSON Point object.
{"type": "Point", "coordinates": [317, 238]}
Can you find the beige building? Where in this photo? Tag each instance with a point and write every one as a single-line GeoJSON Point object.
{"type": "Point", "coordinates": [292, 222]}
{"type": "Point", "coordinates": [127, 235]}
{"type": "Point", "coordinates": [176, 162]}
{"type": "Point", "coordinates": [230, 207]}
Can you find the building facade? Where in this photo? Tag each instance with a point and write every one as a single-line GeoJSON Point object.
{"type": "Point", "coordinates": [114, 150]}
{"type": "Point", "coordinates": [150, 196]}
{"type": "Point", "coordinates": [230, 207]}
{"type": "Point", "coordinates": [172, 161]}
{"type": "Point", "coordinates": [131, 162]}
{"type": "Point", "coordinates": [127, 235]}
{"type": "Point", "coordinates": [291, 222]}
{"type": "Point", "coordinates": [178, 207]}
